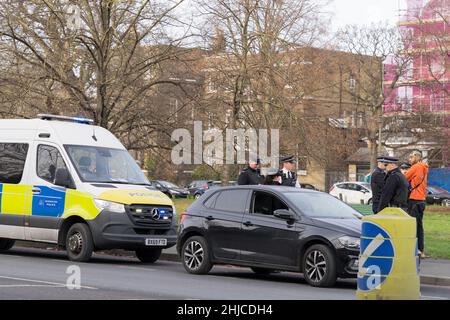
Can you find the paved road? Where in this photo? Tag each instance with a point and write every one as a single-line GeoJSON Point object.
{"type": "Point", "coordinates": [27, 273]}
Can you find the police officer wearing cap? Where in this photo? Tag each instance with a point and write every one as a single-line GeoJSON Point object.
{"type": "Point", "coordinates": [377, 183]}
{"type": "Point", "coordinates": [251, 175]}
{"type": "Point", "coordinates": [288, 177]}
{"type": "Point", "coordinates": [395, 190]}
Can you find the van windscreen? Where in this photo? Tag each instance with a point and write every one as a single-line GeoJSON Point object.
{"type": "Point", "coordinates": [105, 165]}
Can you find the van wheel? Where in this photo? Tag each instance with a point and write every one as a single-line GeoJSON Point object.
{"type": "Point", "coordinates": [262, 271]}
{"type": "Point", "coordinates": [195, 256]}
{"type": "Point", "coordinates": [79, 243]}
{"type": "Point", "coordinates": [6, 244]}
{"type": "Point", "coordinates": [148, 255]}
{"type": "Point", "coordinates": [319, 266]}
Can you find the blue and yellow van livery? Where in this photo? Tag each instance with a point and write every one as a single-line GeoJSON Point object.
{"type": "Point", "coordinates": [75, 185]}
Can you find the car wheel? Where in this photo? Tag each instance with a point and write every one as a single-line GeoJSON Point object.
{"type": "Point", "coordinates": [195, 256]}
{"type": "Point", "coordinates": [147, 255]}
{"type": "Point", "coordinates": [197, 195]}
{"type": "Point", "coordinates": [319, 266]}
{"type": "Point", "coordinates": [262, 271]}
{"type": "Point", "coordinates": [369, 202]}
{"type": "Point", "coordinates": [79, 243]}
{"type": "Point", "coordinates": [6, 244]}
{"type": "Point", "coordinates": [446, 202]}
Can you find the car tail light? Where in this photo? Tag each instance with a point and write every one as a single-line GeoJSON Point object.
{"type": "Point", "coordinates": [331, 189]}
{"type": "Point", "coordinates": [183, 216]}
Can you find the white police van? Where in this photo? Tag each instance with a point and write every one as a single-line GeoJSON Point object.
{"type": "Point", "coordinates": [68, 182]}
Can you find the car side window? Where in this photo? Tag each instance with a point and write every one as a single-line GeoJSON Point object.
{"type": "Point", "coordinates": [358, 187]}
{"type": "Point", "coordinates": [12, 162]}
{"type": "Point", "coordinates": [266, 203]}
{"type": "Point", "coordinates": [231, 200]}
{"type": "Point", "coordinates": [211, 201]}
{"type": "Point", "coordinates": [49, 160]}
{"type": "Point", "coordinates": [343, 186]}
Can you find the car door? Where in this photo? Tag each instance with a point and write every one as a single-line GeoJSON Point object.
{"type": "Point", "coordinates": [14, 193]}
{"type": "Point", "coordinates": [268, 239]}
{"type": "Point", "coordinates": [48, 199]}
{"type": "Point", "coordinates": [351, 195]}
{"type": "Point", "coordinates": [223, 213]}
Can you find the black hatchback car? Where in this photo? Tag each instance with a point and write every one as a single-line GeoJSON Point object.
{"type": "Point", "coordinates": [272, 228]}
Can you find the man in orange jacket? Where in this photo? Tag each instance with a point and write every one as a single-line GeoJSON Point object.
{"type": "Point", "coordinates": [417, 178]}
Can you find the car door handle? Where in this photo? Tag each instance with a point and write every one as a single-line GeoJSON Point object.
{"type": "Point", "coordinates": [248, 223]}
{"type": "Point", "coordinates": [36, 190]}
{"type": "Point", "coordinates": [210, 218]}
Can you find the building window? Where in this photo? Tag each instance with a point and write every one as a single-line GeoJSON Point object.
{"type": "Point", "coordinates": [352, 83]}
{"type": "Point", "coordinates": [211, 86]}
{"type": "Point", "coordinates": [173, 104]}
{"type": "Point", "coordinates": [405, 98]}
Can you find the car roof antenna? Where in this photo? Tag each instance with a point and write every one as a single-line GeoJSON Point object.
{"type": "Point", "coordinates": [93, 134]}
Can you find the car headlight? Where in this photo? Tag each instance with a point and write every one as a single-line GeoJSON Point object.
{"type": "Point", "coordinates": [349, 242]}
{"type": "Point", "coordinates": [174, 192]}
{"type": "Point", "coordinates": [110, 206]}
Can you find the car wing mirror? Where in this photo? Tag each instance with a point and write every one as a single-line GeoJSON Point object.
{"type": "Point", "coordinates": [62, 179]}
{"type": "Point", "coordinates": [285, 214]}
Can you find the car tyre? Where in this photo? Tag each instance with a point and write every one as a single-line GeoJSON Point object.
{"type": "Point", "coordinates": [319, 266]}
{"type": "Point", "coordinates": [197, 195]}
{"type": "Point", "coordinates": [6, 244]}
{"type": "Point", "coordinates": [195, 255]}
{"type": "Point", "coordinates": [369, 202]}
{"type": "Point", "coordinates": [79, 243]}
{"type": "Point", "coordinates": [147, 255]}
{"type": "Point", "coordinates": [446, 203]}
{"type": "Point", "coordinates": [262, 271]}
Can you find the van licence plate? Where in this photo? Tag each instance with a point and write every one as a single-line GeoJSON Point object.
{"type": "Point", "coordinates": [156, 242]}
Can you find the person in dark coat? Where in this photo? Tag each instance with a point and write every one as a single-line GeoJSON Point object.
{"type": "Point", "coordinates": [377, 183]}
{"type": "Point", "coordinates": [395, 190]}
{"type": "Point", "coordinates": [251, 175]}
{"type": "Point", "coordinates": [288, 177]}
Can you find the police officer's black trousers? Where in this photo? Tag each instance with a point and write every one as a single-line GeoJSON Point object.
{"type": "Point", "coordinates": [375, 207]}
{"type": "Point", "coordinates": [416, 209]}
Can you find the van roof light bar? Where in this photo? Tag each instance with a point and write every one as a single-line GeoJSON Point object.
{"type": "Point", "coordinates": [51, 117]}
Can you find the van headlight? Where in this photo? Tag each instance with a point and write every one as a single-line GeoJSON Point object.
{"type": "Point", "coordinates": [349, 242]}
{"type": "Point", "coordinates": [109, 206]}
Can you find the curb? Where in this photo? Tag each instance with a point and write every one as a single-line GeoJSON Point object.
{"type": "Point", "coordinates": [424, 279]}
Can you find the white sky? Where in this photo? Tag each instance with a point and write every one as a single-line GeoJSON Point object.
{"type": "Point", "coordinates": [364, 12]}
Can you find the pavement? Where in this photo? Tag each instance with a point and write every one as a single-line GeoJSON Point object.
{"type": "Point", "coordinates": [30, 273]}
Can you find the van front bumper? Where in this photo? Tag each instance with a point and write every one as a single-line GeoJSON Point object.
{"type": "Point", "coordinates": [118, 231]}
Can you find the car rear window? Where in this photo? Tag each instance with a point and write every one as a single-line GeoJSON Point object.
{"type": "Point", "coordinates": [231, 200]}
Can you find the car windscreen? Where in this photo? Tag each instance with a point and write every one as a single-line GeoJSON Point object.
{"type": "Point", "coordinates": [168, 184]}
{"type": "Point", "coordinates": [105, 165]}
{"type": "Point", "coordinates": [435, 189]}
{"type": "Point", "coordinates": [321, 205]}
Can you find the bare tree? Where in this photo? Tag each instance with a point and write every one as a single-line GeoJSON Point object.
{"type": "Point", "coordinates": [103, 59]}
{"type": "Point", "coordinates": [372, 46]}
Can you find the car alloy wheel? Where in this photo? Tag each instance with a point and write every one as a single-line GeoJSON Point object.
{"type": "Point", "coordinates": [446, 203]}
{"type": "Point", "coordinates": [316, 266]}
{"type": "Point", "coordinates": [194, 255]}
{"type": "Point", "coordinates": [197, 196]}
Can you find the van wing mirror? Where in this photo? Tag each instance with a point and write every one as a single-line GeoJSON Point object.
{"type": "Point", "coordinates": [63, 179]}
{"type": "Point", "coordinates": [284, 214]}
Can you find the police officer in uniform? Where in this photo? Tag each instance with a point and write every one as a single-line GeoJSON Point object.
{"type": "Point", "coordinates": [251, 175]}
{"type": "Point", "coordinates": [288, 177]}
{"type": "Point", "coordinates": [377, 183]}
{"type": "Point", "coordinates": [395, 190]}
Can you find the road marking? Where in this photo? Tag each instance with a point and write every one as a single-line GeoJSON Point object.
{"type": "Point", "coordinates": [437, 298]}
{"type": "Point", "coordinates": [44, 282]}
{"type": "Point", "coordinates": [30, 285]}
{"type": "Point", "coordinates": [136, 268]}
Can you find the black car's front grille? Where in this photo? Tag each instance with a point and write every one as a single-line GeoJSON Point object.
{"type": "Point", "coordinates": [158, 217]}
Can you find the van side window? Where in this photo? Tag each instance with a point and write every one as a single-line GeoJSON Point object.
{"type": "Point", "coordinates": [266, 203]}
{"type": "Point", "coordinates": [48, 161]}
{"type": "Point", "coordinates": [12, 162]}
